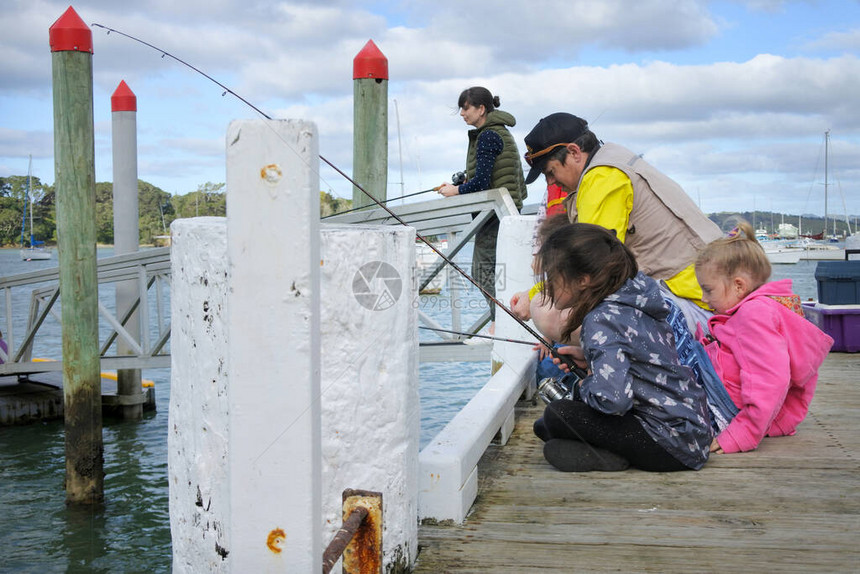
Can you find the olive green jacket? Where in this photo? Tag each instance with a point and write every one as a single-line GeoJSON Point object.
{"type": "Point", "coordinates": [508, 170]}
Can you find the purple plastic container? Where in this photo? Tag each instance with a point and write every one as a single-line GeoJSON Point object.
{"type": "Point", "coordinates": [842, 322]}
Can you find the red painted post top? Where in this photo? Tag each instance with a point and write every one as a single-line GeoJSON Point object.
{"type": "Point", "coordinates": [123, 99]}
{"type": "Point", "coordinates": [70, 34]}
{"type": "Point", "coordinates": [370, 63]}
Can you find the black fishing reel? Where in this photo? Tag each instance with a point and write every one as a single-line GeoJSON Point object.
{"type": "Point", "coordinates": [551, 389]}
{"type": "Point", "coordinates": [458, 178]}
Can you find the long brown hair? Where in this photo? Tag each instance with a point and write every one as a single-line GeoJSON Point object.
{"type": "Point", "coordinates": [581, 250]}
{"type": "Point", "coordinates": [740, 252]}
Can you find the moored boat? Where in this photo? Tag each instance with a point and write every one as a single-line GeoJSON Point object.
{"type": "Point", "coordinates": [36, 251]}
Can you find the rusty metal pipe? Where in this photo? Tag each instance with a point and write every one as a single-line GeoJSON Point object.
{"type": "Point", "coordinates": [343, 537]}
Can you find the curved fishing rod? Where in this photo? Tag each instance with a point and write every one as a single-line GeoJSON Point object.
{"type": "Point", "coordinates": [491, 337]}
{"type": "Point", "coordinates": [563, 358]}
{"type": "Point", "coordinates": [574, 368]}
{"type": "Point", "coordinates": [437, 188]}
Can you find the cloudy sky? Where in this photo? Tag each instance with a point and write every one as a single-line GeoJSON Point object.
{"type": "Point", "coordinates": [731, 98]}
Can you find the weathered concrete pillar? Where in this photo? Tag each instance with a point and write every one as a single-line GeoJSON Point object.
{"type": "Point", "coordinates": [74, 160]}
{"type": "Point", "coordinates": [370, 403]}
{"type": "Point", "coordinates": [370, 125]}
{"type": "Point", "coordinates": [198, 425]}
{"type": "Point", "coordinates": [255, 484]}
{"type": "Point", "coordinates": [126, 237]}
{"type": "Point", "coordinates": [369, 397]}
{"type": "Point", "coordinates": [273, 321]}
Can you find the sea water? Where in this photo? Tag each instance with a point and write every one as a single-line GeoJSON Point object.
{"type": "Point", "coordinates": [131, 531]}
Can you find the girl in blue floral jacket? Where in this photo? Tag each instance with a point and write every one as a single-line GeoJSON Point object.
{"type": "Point", "coordinates": [638, 406]}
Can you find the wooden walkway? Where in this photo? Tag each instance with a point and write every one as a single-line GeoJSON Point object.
{"type": "Point", "coordinates": [793, 505]}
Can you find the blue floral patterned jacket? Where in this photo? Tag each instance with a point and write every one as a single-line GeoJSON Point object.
{"type": "Point", "coordinates": [630, 350]}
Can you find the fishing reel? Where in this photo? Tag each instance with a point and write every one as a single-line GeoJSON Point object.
{"type": "Point", "coordinates": [458, 178]}
{"type": "Point", "coordinates": [551, 389]}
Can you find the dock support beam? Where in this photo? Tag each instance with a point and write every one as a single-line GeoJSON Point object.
{"type": "Point", "coordinates": [126, 237]}
{"type": "Point", "coordinates": [74, 161]}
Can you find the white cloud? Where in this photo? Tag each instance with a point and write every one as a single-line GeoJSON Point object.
{"type": "Point", "coordinates": [724, 125]}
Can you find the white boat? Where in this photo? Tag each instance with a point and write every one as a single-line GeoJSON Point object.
{"type": "Point", "coordinates": [852, 246]}
{"type": "Point", "coordinates": [36, 251]}
{"type": "Point", "coordinates": [35, 254]}
{"type": "Point", "coordinates": [780, 253]}
{"type": "Point", "coordinates": [819, 251]}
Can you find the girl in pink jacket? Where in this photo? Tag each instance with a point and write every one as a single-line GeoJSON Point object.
{"type": "Point", "coordinates": [763, 349]}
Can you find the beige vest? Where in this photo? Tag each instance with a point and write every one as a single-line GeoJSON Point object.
{"type": "Point", "coordinates": [666, 229]}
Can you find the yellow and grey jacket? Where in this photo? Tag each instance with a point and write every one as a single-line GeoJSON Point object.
{"type": "Point", "coordinates": [665, 229]}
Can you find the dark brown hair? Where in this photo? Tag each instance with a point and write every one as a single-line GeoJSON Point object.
{"type": "Point", "coordinates": [478, 96]}
{"type": "Point", "coordinates": [580, 250]}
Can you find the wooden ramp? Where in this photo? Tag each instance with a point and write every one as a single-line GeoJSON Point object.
{"type": "Point", "coordinates": [793, 505]}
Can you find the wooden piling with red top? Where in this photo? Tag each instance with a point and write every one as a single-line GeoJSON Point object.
{"type": "Point", "coordinates": [370, 125]}
{"type": "Point", "coordinates": [71, 44]}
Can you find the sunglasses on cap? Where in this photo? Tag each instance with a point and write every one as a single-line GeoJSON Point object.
{"type": "Point", "coordinates": [530, 157]}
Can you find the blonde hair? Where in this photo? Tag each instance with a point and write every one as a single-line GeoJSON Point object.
{"type": "Point", "coordinates": [739, 253]}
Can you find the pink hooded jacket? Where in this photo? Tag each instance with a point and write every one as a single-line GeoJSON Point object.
{"type": "Point", "coordinates": [768, 358]}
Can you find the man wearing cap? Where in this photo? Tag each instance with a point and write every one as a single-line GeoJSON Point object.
{"type": "Point", "coordinates": [613, 187]}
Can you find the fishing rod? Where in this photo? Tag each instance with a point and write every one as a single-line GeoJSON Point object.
{"type": "Point", "coordinates": [491, 337]}
{"type": "Point", "coordinates": [563, 358]}
{"type": "Point", "coordinates": [437, 188]}
{"type": "Point", "coordinates": [456, 179]}
{"type": "Point", "coordinates": [575, 369]}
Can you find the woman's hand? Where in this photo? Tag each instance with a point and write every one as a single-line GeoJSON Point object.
{"type": "Point", "coordinates": [521, 305]}
{"type": "Point", "coordinates": [716, 448]}
{"type": "Point", "coordinates": [448, 190]}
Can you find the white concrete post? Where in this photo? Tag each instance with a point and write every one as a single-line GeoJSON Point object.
{"type": "Point", "coordinates": [274, 363]}
{"type": "Point", "coordinates": [370, 403]}
{"type": "Point", "coordinates": [197, 421]}
{"type": "Point", "coordinates": [126, 230]}
{"type": "Point", "coordinates": [514, 260]}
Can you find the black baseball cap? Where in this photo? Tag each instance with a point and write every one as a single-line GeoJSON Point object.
{"type": "Point", "coordinates": [551, 132]}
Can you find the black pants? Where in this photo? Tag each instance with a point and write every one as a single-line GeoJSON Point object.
{"type": "Point", "coordinates": [484, 260]}
{"type": "Point", "coordinates": [623, 435]}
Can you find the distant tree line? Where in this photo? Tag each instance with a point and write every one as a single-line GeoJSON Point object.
{"type": "Point", "coordinates": [769, 221]}
{"type": "Point", "coordinates": [156, 208]}
{"type": "Point", "coordinates": [330, 205]}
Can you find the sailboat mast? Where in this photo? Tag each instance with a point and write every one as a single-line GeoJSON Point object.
{"type": "Point", "coordinates": [399, 145]}
{"type": "Point", "coordinates": [30, 196]}
{"type": "Point", "coordinates": [826, 154]}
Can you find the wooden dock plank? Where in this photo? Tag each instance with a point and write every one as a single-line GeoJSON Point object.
{"type": "Point", "coordinates": [793, 505]}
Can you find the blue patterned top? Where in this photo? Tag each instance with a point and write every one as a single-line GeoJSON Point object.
{"type": "Point", "coordinates": [489, 146]}
{"type": "Point", "coordinates": [630, 348]}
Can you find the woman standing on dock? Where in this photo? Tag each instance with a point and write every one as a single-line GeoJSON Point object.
{"type": "Point", "coordinates": [638, 406]}
{"type": "Point", "coordinates": [492, 161]}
